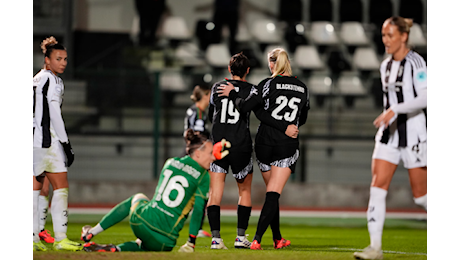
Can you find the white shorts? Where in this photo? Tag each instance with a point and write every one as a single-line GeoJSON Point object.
{"type": "Point", "coordinates": [49, 159]}
{"type": "Point", "coordinates": [412, 157]}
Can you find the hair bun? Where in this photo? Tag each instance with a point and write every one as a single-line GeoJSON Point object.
{"type": "Point", "coordinates": [47, 42]}
{"type": "Point", "coordinates": [409, 22]}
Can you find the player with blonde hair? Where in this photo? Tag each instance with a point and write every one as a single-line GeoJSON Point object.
{"type": "Point", "coordinates": [402, 129]}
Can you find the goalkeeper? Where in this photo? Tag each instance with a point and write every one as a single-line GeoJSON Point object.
{"type": "Point", "coordinates": [183, 185]}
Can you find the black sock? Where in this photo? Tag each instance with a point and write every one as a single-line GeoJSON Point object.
{"type": "Point", "coordinates": [243, 213]}
{"type": "Point", "coordinates": [275, 224]}
{"type": "Point", "coordinates": [267, 214]}
{"type": "Point", "coordinates": [214, 220]}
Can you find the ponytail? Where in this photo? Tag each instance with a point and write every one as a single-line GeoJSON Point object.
{"type": "Point", "coordinates": [281, 60]}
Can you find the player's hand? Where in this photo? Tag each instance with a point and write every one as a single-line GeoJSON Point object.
{"type": "Point", "coordinates": [292, 131]}
{"type": "Point", "coordinates": [224, 90]}
{"type": "Point", "coordinates": [187, 248]}
{"type": "Point", "coordinates": [218, 149]}
{"type": "Point", "coordinates": [384, 118]}
{"type": "Point", "coordinates": [69, 153]}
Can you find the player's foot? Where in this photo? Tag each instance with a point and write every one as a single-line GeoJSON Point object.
{"type": "Point", "coordinates": [45, 236]}
{"type": "Point", "coordinates": [93, 247]}
{"type": "Point", "coordinates": [255, 245]}
{"type": "Point", "coordinates": [218, 243]}
{"type": "Point", "coordinates": [85, 235]}
{"type": "Point", "coordinates": [68, 245]}
{"type": "Point", "coordinates": [282, 243]}
{"type": "Point", "coordinates": [242, 242]}
{"type": "Point", "coordinates": [369, 253]}
{"type": "Point", "coordinates": [39, 246]}
{"type": "Point", "coordinates": [202, 233]}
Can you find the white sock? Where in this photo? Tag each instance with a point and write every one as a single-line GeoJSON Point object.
{"type": "Point", "coordinates": [36, 216]}
{"type": "Point", "coordinates": [96, 229]}
{"type": "Point", "coordinates": [59, 213]}
{"type": "Point", "coordinates": [43, 203]}
{"type": "Point", "coordinates": [376, 216]}
{"type": "Point", "coordinates": [422, 201]}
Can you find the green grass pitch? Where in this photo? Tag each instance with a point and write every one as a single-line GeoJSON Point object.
{"type": "Point", "coordinates": [311, 238]}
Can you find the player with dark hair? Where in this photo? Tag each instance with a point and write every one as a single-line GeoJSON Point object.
{"type": "Point", "coordinates": [229, 123]}
{"type": "Point", "coordinates": [52, 151]}
{"type": "Point", "coordinates": [284, 99]}
{"type": "Point", "coordinates": [183, 185]}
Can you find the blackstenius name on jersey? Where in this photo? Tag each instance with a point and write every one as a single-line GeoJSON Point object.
{"type": "Point", "coordinates": [290, 87]}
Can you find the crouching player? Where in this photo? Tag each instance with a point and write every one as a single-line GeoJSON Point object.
{"type": "Point", "coordinates": [183, 185]}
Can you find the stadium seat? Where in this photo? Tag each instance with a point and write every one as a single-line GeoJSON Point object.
{"type": "Point", "coordinates": [416, 37]}
{"type": "Point", "coordinates": [257, 75]}
{"type": "Point", "coordinates": [352, 33]}
{"type": "Point", "coordinates": [320, 86]}
{"type": "Point", "coordinates": [366, 59]}
{"type": "Point", "coordinates": [266, 32]}
{"type": "Point", "coordinates": [307, 58]}
{"type": "Point", "coordinates": [243, 34]}
{"type": "Point", "coordinates": [323, 33]}
{"type": "Point", "coordinates": [294, 35]}
{"type": "Point", "coordinates": [175, 28]}
{"type": "Point", "coordinates": [188, 54]}
{"type": "Point", "coordinates": [206, 34]}
{"type": "Point", "coordinates": [172, 81]}
{"type": "Point", "coordinates": [350, 86]}
{"type": "Point", "coordinates": [217, 55]}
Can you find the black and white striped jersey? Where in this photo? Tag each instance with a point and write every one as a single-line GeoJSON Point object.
{"type": "Point", "coordinates": [402, 81]}
{"type": "Point", "coordinates": [195, 119]}
{"type": "Point", "coordinates": [48, 92]}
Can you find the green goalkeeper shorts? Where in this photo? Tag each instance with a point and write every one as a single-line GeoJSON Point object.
{"type": "Point", "coordinates": [152, 240]}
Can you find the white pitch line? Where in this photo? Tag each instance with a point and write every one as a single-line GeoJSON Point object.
{"type": "Point", "coordinates": [384, 251]}
{"type": "Point", "coordinates": [284, 213]}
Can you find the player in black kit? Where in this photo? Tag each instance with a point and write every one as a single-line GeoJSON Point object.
{"type": "Point", "coordinates": [285, 99]}
{"type": "Point", "coordinates": [230, 124]}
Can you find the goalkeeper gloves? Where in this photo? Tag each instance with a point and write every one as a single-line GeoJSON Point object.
{"type": "Point", "coordinates": [68, 152]}
{"type": "Point", "coordinates": [218, 149]}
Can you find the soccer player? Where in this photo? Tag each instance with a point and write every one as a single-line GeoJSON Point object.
{"type": "Point", "coordinates": [232, 125]}
{"type": "Point", "coordinates": [183, 184]}
{"type": "Point", "coordinates": [284, 98]}
{"type": "Point", "coordinates": [195, 117]}
{"type": "Point", "coordinates": [402, 131]}
{"type": "Point", "coordinates": [52, 150]}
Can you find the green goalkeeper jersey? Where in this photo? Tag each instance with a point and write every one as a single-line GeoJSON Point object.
{"type": "Point", "coordinates": [183, 185]}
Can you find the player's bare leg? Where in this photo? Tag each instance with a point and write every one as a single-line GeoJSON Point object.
{"type": "Point", "coordinates": [418, 182]}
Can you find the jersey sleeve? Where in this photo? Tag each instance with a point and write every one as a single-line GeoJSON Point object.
{"type": "Point", "coordinates": [201, 197]}
{"type": "Point", "coordinates": [249, 103]}
{"type": "Point", "coordinates": [419, 77]}
{"type": "Point", "coordinates": [54, 95]}
{"type": "Point", "coordinates": [419, 80]}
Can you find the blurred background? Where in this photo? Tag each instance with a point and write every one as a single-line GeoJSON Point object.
{"type": "Point", "coordinates": [133, 65]}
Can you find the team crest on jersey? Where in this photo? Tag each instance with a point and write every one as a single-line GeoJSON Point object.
{"type": "Point", "coordinates": [421, 76]}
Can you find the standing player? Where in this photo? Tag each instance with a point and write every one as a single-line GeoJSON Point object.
{"type": "Point", "coordinates": [51, 145]}
{"type": "Point", "coordinates": [232, 125]}
{"type": "Point", "coordinates": [402, 133]}
{"type": "Point", "coordinates": [183, 184]}
{"type": "Point", "coordinates": [283, 98]}
{"type": "Point", "coordinates": [195, 119]}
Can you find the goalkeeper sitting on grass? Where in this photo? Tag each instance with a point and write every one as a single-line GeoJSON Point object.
{"type": "Point", "coordinates": [183, 185]}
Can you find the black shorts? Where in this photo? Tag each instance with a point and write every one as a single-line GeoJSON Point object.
{"type": "Point", "coordinates": [241, 163]}
{"type": "Point", "coordinates": [281, 156]}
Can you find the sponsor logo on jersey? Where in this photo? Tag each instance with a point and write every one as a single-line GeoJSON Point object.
{"type": "Point", "coordinates": [421, 76]}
